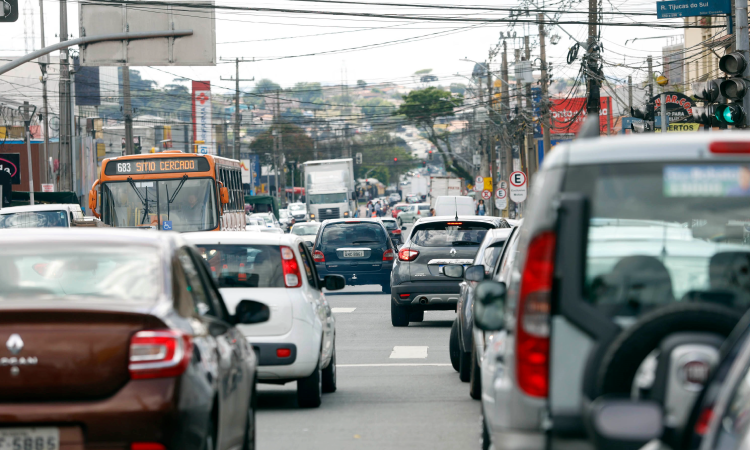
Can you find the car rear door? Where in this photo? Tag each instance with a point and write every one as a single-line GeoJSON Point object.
{"type": "Point", "coordinates": [353, 246]}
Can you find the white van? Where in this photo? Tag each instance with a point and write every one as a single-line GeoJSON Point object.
{"type": "Point", "coordinates": [41, 216]}
{"type": "Point", "coordinates": [450, 205]}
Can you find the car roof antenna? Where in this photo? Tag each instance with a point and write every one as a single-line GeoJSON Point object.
{"type": "Point", "coordinates": [455, 201]}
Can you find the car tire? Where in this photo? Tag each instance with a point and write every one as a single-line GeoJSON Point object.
{"type": "Point", "coordinates": [416, 315]}
{"type": "Point", "coordinates": [453, 345]}
{"type": "Point", "coordinates": [464, 366]}
{"type": "Point", "coordinates": [475, 376]}
{"type": "Point", "coordinates": [329, 374]}
{"type": "Point", "coordinates": [486, 440]}
{"type": "Point", "coordinates": [400, 223]}
{"type": "Point", "coordinates": [249, 443]}
{"type": "Point", "coordinates": [386, 288]}
{"type": "Point", "coordinates": [310, 389]}
{"type": "Point", "coordinates": [399, 315]}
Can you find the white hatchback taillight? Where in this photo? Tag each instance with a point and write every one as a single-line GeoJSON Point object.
{"type": "Point", "coordinates": [292, 276]}
{"type": "Point", "coordinates": [532, 334]}
{"type": "Point", "coordinates": [159, 354]}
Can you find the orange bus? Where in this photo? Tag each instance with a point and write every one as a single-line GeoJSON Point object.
{"type": "Point", "coordinates": [170, 190]}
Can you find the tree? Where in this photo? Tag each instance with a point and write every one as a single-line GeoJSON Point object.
{"type": "Point", "coordinates": [307, 93]}
{"type": "Point", "coordinates": [297, 145]}
{"type": "Point", "coordinates": [374, 108]}
{"type": "Point", "coordinates": [422, 72]}
{"type": "Point", "coordinates": [362, 83]}
{"type": "Point", "coordinates": [422, 107]}
{"type": "Point", "coordinates": [378, 150]}
{"type": "Point", "coordinates": [261, 92]}
{"type": "Point", "coordinates": [458, 88]}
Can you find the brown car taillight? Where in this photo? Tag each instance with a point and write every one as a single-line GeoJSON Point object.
{"type": "Point", "coordinates": [159, 354]}
{"type": "Point", "coordinates": [407, 254]}
{"type": "Point", "coordinates": [532, 337]}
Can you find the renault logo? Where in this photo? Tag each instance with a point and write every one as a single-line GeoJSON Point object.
{"type": "Point", "coordinates": [14, 344]}
{"type": "Point", "coordinates": [453, 252]}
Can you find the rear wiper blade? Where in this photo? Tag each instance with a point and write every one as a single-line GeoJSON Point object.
{"type": "Point", "coordinates": [364, 242]}
{"type": "Point", "coordinates": [464, 243]}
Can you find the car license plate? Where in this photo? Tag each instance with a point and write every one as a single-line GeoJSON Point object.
{"type": "Point", "coordinates": [354, 253]}
{"type": "Point", "coordinates": [31, 438]}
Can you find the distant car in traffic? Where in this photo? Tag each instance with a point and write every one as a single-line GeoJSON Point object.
{"type": "Point", "coordinates": [102, 324]}
{"type": "Point", "coordinates": [307, 231]}
{"type": "Point", "coordinates": [298, 342]}
{"type": "Point", "coordinates": [284, 219]}
{"type": "Point", "coordinates": [397, 208]}
{"type": "Point", "coordinates": [394, 198]}
{"type": "Point", "coordinates": [255, 225]}
{"type": "Point", "coordinates": [41, 216]}
{"type": "Point", "coordinates": [413, 198]}
{"type": "Point", "coordinates": [272, 224]}
{"type": "Point", "coordinates": [358, 249]}
{"type": "Point", "coordinates": [450, 205]}
{"type": "Point", "coordinates": [298, 211]}
{"type": "Point", "coordinates": [394, 231]}
{"type": "Point", "coordinates": [418, 282]}
{"type": "Point", "coordinates": [412, 213]}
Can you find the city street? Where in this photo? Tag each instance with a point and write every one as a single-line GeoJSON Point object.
{"type": "Point", "coordinates": [410, 398]}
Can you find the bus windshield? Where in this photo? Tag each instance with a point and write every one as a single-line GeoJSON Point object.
{"type": "Point", "coordinates": [182, 204]}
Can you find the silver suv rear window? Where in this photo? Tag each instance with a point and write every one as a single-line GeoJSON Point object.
{"type": "Point", "coordinates": [450, 234]}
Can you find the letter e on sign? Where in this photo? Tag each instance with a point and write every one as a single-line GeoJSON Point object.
{"type": "Point", "coordinates": [517, 186]}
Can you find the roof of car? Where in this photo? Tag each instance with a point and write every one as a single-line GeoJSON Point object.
{"type": "Point", "coordinates": [235, 237]}
{"type": "Point", "coordinates": [48, 207]}
{"type": "Point", "coordinates": [90, 237]}
{"type": "Point", "coordinates": [497, 234]}
{"type": "Point", "coordinates": [461, 218]}
{"type": "Point", "coordinates": [329, 221]}
{"type": "Point", "coordinates": [644, 147]}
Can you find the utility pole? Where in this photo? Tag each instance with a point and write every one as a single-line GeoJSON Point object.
{"type": "Point", "coordinates": [237, 115]}
{"type": "Point", "coordinates": [546, 122]}
{"type": "Point", "coordinates": [44, 157]}
{"type": "Point", "coordinates": [507, 149]}
{"type": "Point", "coordinates": [489, 207]}
{"type": "Point", "coordinates": [630, 93]}
{"type": "Point", "coordinates": [742, 39]}
{"type": "Point", "coordinates": [127, 110]}
{"type": "Point", "coordinates": [65, 146]}
{"type": "Point", "coordinates": [592, 63]}
{"type": "Point", "coordinates": [519, 105]}
{"type": "Point", "coordinates": [532, 155]}
{"type": "Point", "coordinates": [278, 149]}
{"type": "Point", "coordinates": [649, 61]}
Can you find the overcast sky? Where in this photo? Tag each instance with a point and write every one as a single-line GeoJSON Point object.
{"type": "Point", "coordinates": [435, 45]}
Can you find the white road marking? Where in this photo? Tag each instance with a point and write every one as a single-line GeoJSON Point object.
{"type": "Point", "coordinates": [404, 352]}
{"type": "Point", "coordinates": [391, 365]}
{"type": "Point", "coordinates": [342, 310]}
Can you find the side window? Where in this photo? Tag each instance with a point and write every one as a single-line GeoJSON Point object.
{"type": "Point", "coordinates": [211, 289]}
{"type": "Point", "coordinates": [195, 285]}
{"type": "Point", "coordinates": [510, 247]}
{"type": "Point", "coordinates": [309, 266]}
{"type": "Point", "coordinates": [183, 299]}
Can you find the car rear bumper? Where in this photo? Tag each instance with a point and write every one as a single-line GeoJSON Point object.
{"type": "Point", "coordinates": [304, 341]}
{"type": "Point", "coordinates": [427, 294]}
{"type": "Point", "coordinates": [353, 278]}
{"type": "Point", "coordinates": [535, 440]}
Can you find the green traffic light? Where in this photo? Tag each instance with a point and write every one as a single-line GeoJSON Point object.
{"type": "Point", "coordinates": [728, 116]}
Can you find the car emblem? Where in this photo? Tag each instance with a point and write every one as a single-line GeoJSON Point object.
{"type": "Point", "coordinates": [453, 252]}
{"type": "Point", "coordinates": [14, 344]}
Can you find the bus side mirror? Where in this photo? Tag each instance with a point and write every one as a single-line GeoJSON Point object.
{"type": "Point", "coordinates": [224, 194]}
{"type": "Point", "coordinates": [92, 199]}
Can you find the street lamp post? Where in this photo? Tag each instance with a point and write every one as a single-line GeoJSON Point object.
{"type": "Point", "coordinates": [27, 112]}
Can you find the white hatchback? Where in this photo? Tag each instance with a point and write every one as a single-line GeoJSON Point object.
{"type": "Point", "coordinates": [298, 342]}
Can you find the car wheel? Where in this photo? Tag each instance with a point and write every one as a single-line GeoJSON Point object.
{"type": "Point", "coordinates": [249, 443]}
{"type": "Point", "coordinates": [453, 345]}
{"type": "Point", "coordinates": [329, 374]}
{"type": "Point", "coordinates": [399, 315]}
{"type": "Point", "coordinates": [416, 315]}
{"type": "Point", "coordinates": [464, 366]}
{"type": "Point", "coordinates": [310, 389]}
{"type": "Point", "coordinates": [486, 440]}
{"type": "Point", "coordinates": [386, 288]}
{"type": "Point", "coordinates": [475, 377]}
{"type": "Point", "coordinates": [400, 223]}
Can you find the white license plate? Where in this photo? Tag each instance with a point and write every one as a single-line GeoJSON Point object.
{"type": "Point", "coordinates": [29, 438]}
{"type": "Point", "coordinates": [354, 253]}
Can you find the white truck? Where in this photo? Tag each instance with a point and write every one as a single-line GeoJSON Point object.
{"type": "Point", "coordinates": [442, 186]}
{"type": "Point", "coordinates": [329, 189]}
{"type": "Point", "coordinates": [418, 185]}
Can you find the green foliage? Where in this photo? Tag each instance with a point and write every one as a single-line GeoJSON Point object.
{"type": "Point", "coordinates": [422, 72]}
{"type": "Point", "coordinates": [361, 83]}
{"type": "Point", "coordinates": [378, 150]}
{"type": "Point", "coordinates": [261, 93]}
{"type": "Point", "coordinates": [307, 92]}
{"type": "Point", "coordinates": [376, 107]}
{"type": "Point", "coordinates": [297, 145]}
{"type": "Point", "coordinates": [458, 88]}
{"type": "Point", "coordinates": [421, 107]}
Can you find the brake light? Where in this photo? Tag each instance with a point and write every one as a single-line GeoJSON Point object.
{"type": "Point", "coordinates": [283, 352]}
{"type": "Point", "coordinates": [318, 256]}
{"type": "Point", "coordinates": [729, 147]}
{"type": "Point", "coordinates": [292, 277]}
{"type": "Point", "coordinates": [407, 254]}
{"type": "Point", "coordinates": [396, 231]}
{"type": "Point", "coordinates": [454, 223]}
{"type": "Point", "coordinates": [159, 354]}
{"type": "Point", "coordinates": [532, 338]}
{"type": "Point", "coordinates": [701, 425]}
{"type": "Point", "coordinates": [388, 255]}
{"type": "Point", "coordinates": [147, 446]}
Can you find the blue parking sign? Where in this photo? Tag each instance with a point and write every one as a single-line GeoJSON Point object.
{"type": "Point", "coordinates": [166, 225]}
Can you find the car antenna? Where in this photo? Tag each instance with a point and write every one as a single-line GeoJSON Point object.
{"type": "Point", "coordinates": [455, 201]}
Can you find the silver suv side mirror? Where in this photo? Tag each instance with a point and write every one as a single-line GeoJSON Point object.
{"type": "Point", "coordinates": [489, 305]}
{"type": "Point", "coordinates": [474, 273]}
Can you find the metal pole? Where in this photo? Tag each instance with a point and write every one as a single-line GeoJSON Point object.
{"type": "Point", "coordinates": [532, 156]}
{"type": "Point", "coordinates": [630, 93]}
{"type": "Point", "coordinates": [31, 171]}
{"type": "Point", "coordinates": [73, 154]}
{"type": "Point", "coordinates": [236, 150]}
{"type": "Point", "coordinates": [649, 62]}
{"type": "Point", "coordinates": [664, 120]}
{"type": "Point", "coordinates": [65, 150]}
{"type": "Point", "coordinates": [292, 182]}
{"type": "Point", "coordinates": [546, 125]}
{"type": "Point", "coordinates": [609, 116]}
{"type": "Point", "coordinates": [504, 111]}
{"type": "Point", "coordinates": [127, 110]}
{"type": "Point", "coordinates": [488, 206]}
{"type": "Point", "coordinates": [45, 120]}
{"type": "Point", "coordinates": [742, 38]}
{"type": "Point", "coordinates": [592, 63]}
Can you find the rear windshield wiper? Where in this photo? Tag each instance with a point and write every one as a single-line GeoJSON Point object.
{"type": "Point", "coordinates": [364, 242]}
{"type": "Point", "coordinates": [464, 243]}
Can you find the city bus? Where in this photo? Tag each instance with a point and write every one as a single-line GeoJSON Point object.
{"type": "Point", "coordinates": [170, 190]}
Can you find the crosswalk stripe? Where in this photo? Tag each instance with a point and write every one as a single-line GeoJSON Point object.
{"type": "Point", "coordinates": [342, 310]}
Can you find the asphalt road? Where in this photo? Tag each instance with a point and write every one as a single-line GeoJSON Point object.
{"type": "Point", "coordinates": [396, 387]}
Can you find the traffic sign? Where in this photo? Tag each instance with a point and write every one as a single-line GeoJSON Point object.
{"type": "Point", "coordinates": [486, 194]}
{"type": "Point", "coordinates": [501, 203]}
{"type": "Point", "coordinates": [479, 181]}
{"type": "Point", "coordinates": [501, 193]}
{"type": "Point", "coordinates": [518, 186]}
{"type": "Point", "coordinates": [488, 183]}
{"type": "Point", "coordinates": [478, 187]}
{"type": "Point", "coordinates": [503, 185]}
{"type": "Point", "coordinates": [167, 225]}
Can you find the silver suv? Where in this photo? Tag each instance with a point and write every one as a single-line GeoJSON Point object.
{"type": "Point", "coordinates": [634, 258]}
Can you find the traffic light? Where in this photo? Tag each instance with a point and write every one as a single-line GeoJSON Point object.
{"type": "Point", "coordinates": [645, 112]}
{"type": "Point", "coordinates": [424, 163]}
{"type": "Point", "coordinates": [706, 91]}
{"type": "Point", "coordinates": [8, 10]}
{"type": "Point", "coordinates": [395, 160]}
{"type": "Point", "coordinates": [733, 88]}
{"type": "Point", "coordinates": [705, 115]}
{"type": "Point", "coordinates": [731, 114]}
{"type": "Point", "coordinates": [429, 155]}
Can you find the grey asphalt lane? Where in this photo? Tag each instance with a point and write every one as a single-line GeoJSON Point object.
{"type": "Point", "coordinates": [382, 402]}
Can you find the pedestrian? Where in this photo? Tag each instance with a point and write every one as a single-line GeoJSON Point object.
{"type": "Point", "coordinates": [432, 212]}
{"type": "Point", "coordinates": [480, 208]}
{"type": "Point", "coordinates": [378, 209]}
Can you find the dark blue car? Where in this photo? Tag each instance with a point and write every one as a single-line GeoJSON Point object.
{"type": "Point", "coordinates": [358, 249]}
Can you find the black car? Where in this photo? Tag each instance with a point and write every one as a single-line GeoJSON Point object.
{"type": "Point", "coordinates": [418, 283]}
{"type": "Point", "coordinates": [393, 230]}
{"type": "Point", "coordinates": [358, 249]}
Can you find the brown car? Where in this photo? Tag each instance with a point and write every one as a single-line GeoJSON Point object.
{"type": "Point", "coordinates": [119, 339]}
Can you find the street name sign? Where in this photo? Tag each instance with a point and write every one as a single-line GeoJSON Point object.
{"type": "Point", "coordinates": [689, 8]}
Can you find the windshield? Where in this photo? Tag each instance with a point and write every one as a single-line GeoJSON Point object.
{"type": "Point", "coordinates": [122, 273]}
{"type": "Point", "coordinates": [444, 234]}
{"type": "Point", "coordinates": [318, 199]}
{"type": "Point", "coordinates": [296, 207]}
{"type": "Point", "coordinates": [305, 230]}
{"type": "Point", "coordinates": [183, 204]}
{"type": "Point", "coordinates": [390, 224]}
{"type": "Point", "coordinates": [34, 219]}
{"type": "Point", "coordinates": [283, 213]}
{"type": "Point", "coordinates": [662, 233]}
{"type": "Point", "coordinates": [245, 266]}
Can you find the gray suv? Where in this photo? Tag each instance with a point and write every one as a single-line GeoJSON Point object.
{"type": "Point", "coordinates": [633, 266]}
{"type": "Point", "coordinates": [418, 281]}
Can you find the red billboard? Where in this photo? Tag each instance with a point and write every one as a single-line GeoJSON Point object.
{"type": "Point", "coordinates": [568, 114]}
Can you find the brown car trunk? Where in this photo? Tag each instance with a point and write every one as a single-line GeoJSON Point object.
{"type": "Point", "coordinates": [66, 355]}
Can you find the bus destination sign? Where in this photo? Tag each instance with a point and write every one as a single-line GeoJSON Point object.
{"type": "Point", "coordinates": [156, 165]}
